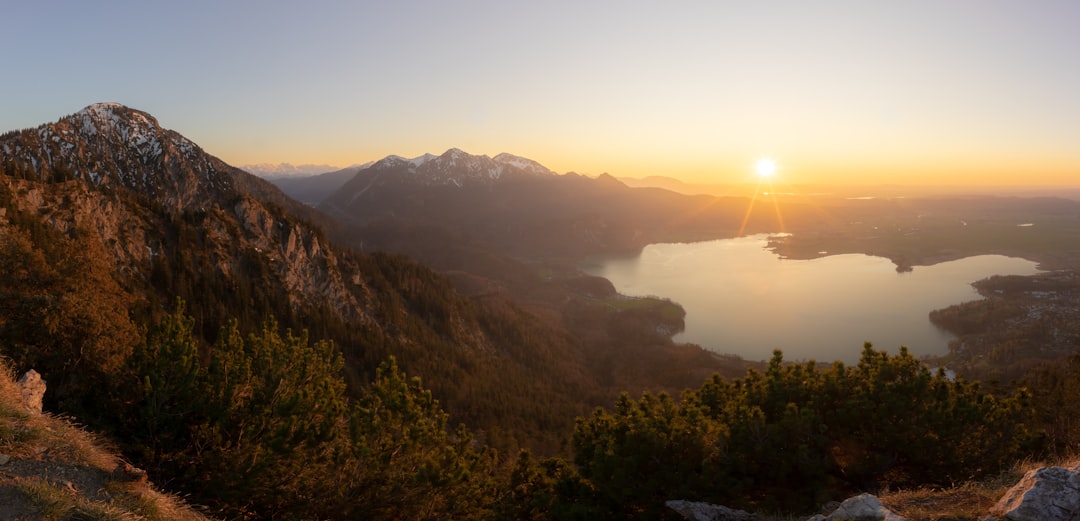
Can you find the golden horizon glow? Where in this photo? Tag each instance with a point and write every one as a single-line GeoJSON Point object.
{"type": "Point", "coordinates": [765, 167]}
{"type": "Point", "coordinates": [693, 92]}
{"type": "Point", "coordinates": [1000, 168]}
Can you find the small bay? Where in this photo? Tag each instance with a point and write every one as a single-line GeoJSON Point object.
{"type": "Point", "coordinates": [743, 299]}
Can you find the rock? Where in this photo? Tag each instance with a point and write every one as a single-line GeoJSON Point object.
{"type": "Point", "coordinates": [32, 388]}
{"type": "Point", "coordinates": [1046, 494]}
{"type": "Point", "coordinates": [829, 507]}
{"type": "Point", "coordinates": [863, 506]}
{"type": "Point", "coordinates": [697, 511]}
{"type": "Point", "coordinates": [4, 459]}
{"type": "Point", "coordinates": [130, 473]}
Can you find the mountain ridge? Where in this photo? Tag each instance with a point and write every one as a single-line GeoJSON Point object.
{"type": "Point", "coordinates": [523, 209]}
{"type": "Point", "coordinates": [145, 156]}
{"type": "Point", "coordinates": [273, 171]}
{"type": "Point", "coordinates": [457, 167]}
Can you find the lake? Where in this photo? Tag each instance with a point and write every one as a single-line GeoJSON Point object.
{"type": "Point", "coordinates": [741, 298]}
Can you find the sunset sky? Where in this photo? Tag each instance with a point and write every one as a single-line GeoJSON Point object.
{"type": "Point", "coordinates": [911, 92]}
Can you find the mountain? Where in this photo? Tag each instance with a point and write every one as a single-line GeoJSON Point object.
{"type": "Point", "coordinates": [115, 169]}
{"type": "Point", "coordinates": [108, 145]}
{"type": "Point", "coordinates": [272, 171]}
{"type": "Point", "coordinates": [519, 208]}
{"type": "Point", "coordinates": [458, 168]}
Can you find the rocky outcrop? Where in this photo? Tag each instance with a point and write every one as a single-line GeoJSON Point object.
{"type": "Point", "coordinates": [1045, 494]}
{"type": "Point", "coordinates": [32, 389]}
{"type": "Point", "coordinates": [863, 506]}
{"type": "Point", "coordinates": [698, 511]}
{"type": "Point", "coordinates": [306, 266]}
{"type": "Point", "coordinates": [129, 473]}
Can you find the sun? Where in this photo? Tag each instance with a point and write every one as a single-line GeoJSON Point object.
{"type": "Point", "coordinates": [765, 167]}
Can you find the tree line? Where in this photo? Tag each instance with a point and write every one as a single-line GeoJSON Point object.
{"type": "Point", "coordinates": [261, 426]}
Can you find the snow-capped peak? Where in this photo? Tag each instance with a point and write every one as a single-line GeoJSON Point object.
{"type": "Point", "coordinates": [107, 143]}
{"type": "Point", "coordinates": [457, 167]}
{"type": "Point", "coordinates": [457, 154]}
{"type": "Point", "coordinates": [393, 160]}
{"type": "Point", "coordinates": [110, 113]}
{"type": "Point", "coordinates": [287, 170]}
{"type": "Point", "coordinates": [419, 160]}
{"type": "Point", "coordinates": [103, 110]}
{"type": "Point", "coordinates": [135, 128]}
{"type": "Point", "coordinates": [521, 162]}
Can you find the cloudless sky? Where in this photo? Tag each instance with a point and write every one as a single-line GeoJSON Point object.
{"type": "Point", "coordinates": [910, 92]}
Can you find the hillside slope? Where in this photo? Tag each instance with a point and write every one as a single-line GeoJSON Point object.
{"type": "Point", "coordinates": [52, 469]}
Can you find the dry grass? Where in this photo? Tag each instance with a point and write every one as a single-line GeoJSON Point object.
{"type": "Point", "coordinates": [55, 502]}
{"type": "Point", "coordinates": [971, 500]}
{"type": "Point", "coordinates": [967, 501]}
{"type": "Point", "coordinates": [52, 469]}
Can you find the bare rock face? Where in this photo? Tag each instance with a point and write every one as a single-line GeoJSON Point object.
{"type": "Point", "coordinates": [32, 388]}
{"type": "Point", "coordinates": [697, 511]}
{"type": "Point", "coordinates": [863, 506]}
{"type": "Point", "coordinates": [1046, 494]}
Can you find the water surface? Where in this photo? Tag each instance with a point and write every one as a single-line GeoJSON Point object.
{"type": "Point", "coordinates": [743, 299]}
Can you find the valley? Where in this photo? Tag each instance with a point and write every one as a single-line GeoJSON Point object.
{"type": "Point", "coordinates": [485, 235]}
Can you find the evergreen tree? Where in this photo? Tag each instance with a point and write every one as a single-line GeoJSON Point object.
{"type": "Point", "coordinates": [793, 435]}
{"type": "Point", "coordinates": [405, 464]}
{"type": "Point", "coordinates": [253, 428]}
{"type": "Point", "coordinates": [260, 426]}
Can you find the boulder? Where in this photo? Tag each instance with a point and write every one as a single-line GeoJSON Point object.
{"type": "Point", "coordinates": [697, 511]}
{"type": "Point", "coordinates": [127, 472]}
{"type": "Point", "coordinates": [863, 506]}
{"type": "Point", "coordinates": [32, 388]}
{"type": "Point", "coordinates": [1045, 494]}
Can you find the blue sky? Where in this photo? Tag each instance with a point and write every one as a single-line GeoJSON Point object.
{"type": "Point", "coordinates": [855, 92]}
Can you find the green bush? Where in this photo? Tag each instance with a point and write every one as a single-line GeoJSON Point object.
{"type": "Point", "coordinates": [793, 436]}
{"type": "Point", "coordinates": [260, 426]}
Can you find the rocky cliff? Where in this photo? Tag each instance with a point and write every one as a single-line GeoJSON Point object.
{"type": "Point", "coordinates": [114, 170]}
